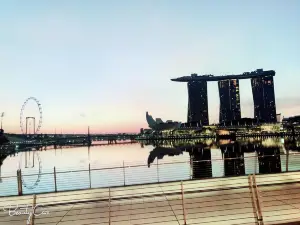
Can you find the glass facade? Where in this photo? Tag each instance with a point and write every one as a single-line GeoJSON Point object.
{"type": "Point", "coordinates": [197, 102]}
{"type": "Point", "coordinates": [264, 98]}
{"type": "Point", "coordinates": [229, 93]}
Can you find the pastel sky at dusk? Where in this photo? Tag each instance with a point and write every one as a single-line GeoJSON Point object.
{"type": "Point", "coordinates": [105, 63]}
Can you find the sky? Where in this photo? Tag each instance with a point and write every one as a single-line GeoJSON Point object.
{"type": "Point", "coordinates": [103, 63]}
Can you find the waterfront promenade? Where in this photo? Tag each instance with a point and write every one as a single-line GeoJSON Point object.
{"type": "Point", "coordinates": [211, 201]}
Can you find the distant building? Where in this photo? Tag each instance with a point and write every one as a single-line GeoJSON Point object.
{"type": "Point", "coordinates": [262, 88]}
{"type": "Point", "coordinates": [278, 117]}
{"type": "Point", "coordinates": [270, 128]}
{"type": "Point", "coordinates": [293, 119]}
{"type": "Point", "coordinates": [151, 122]}
{"type": "Point", "coordinates": [158, 120]}
{"type": "Point", "coordinates": [229, 93]}
{"type": "Point", "coordinates": [147, 131]}
{"type": "Point", "coordinates": [159, 125]}
{"type": "Point", "coordinates": [241, 122]}
{"type": "Point", "coordinates": [264, 98]}
{"type": "Point", "coordinates": [197, 102]}
{"type": "Point", "coordinates": [3, 139]}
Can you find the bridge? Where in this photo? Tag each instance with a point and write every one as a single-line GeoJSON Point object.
{"type": "Point", "coordinates": [52, 139]}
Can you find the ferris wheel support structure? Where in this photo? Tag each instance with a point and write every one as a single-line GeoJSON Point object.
{"type": "Point", "coordinates": [39, 124]}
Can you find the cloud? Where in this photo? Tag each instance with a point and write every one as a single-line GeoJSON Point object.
{"type": "Point", "coordinates": [83, 115]}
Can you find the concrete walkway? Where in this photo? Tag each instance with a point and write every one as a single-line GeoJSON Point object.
{"type": "Point", "coordinates": [211, 201]}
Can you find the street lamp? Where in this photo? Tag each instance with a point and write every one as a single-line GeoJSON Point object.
{"type": "Point", "coordinates": [2, 115]}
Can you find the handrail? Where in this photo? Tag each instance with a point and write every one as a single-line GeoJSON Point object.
{"type": "Point", "coordinates": [183, 205]}
{"type": "Point", "coordinates": [255, 199]}
{"type": "Point", "coordinates": [109, 209]}
{"type": "Point", "coordinates": [258, 202]}
{"type": "Point", "coordinates": [252, 197]}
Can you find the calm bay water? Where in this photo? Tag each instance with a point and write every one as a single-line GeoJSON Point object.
{"type": "Point", "coordinates": [116, 165]}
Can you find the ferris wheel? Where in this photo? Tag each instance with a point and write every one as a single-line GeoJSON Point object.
{"type": "Point", "coordinates": [40, 119]}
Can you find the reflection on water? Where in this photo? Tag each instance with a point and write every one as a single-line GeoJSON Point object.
{"type": "Point", "coordinates": [266, 157]}
{"type": "Point", "coordinates": [160, 152]}
{"type": "Point", "coordinates": [234, 163]}
{"type": "Point", "coordinates": [157, 162]}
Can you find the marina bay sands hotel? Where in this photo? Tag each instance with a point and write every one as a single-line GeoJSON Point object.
{"type": "Point", "coordinates": [230, 109]}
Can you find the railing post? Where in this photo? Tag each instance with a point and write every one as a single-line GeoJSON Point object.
{"type": "Point", "coordinates": [90, 175]}
{"type": "Point", "coordinates": [255, 164]}
{"type": "Point", "coordinates": [109, 220]}
{"type": "Point", "coordinates": [255, 199]}
{"type": "Point", "coordinates": [19, 180]}
{"type": "Point", "coordinates": [258, 203]}
{"type": "Point", "coordinates": [55, 185]}
{"type": "Point", "coordinates": [183, 206]}
{"type": "Point", "coordinates": [191, 168]}
{"type": "Point", "coordinates": [33, 212]}
{"type": "Point", "coordinates": [287, 160]}
{"type": "Point", "coordinates": [124, 173]}
{"type": "Point", "coordinates": [252, 197]}
{"type": "Point", "coordinates": [157, 171]}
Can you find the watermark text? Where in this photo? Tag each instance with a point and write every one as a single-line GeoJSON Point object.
{"type": "Point", "coordinates": [25, 210]}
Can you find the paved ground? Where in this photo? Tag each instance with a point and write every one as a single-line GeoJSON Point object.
{"type": "Point", "coordinates": [210, 202]}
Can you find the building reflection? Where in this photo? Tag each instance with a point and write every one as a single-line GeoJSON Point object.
{"type": "Point", "coordinates": [292, 144]}
{"type": "Point", "coordinates": [233, 159]}
{"type": "Point", "coordinates": [3, 155]}
{"type": "Point", "coordinates": [201, 162]}
{"type": "Point", "coordinates": [160, 152]}
{"type": "Point", "coordinates": [2, 158]}
{"type": "Point", "coordinates": [266, 155]}
{"type": "Point", "coordinates": [200, 157]}
{"type": "Point", "coordinates": [269, 160]}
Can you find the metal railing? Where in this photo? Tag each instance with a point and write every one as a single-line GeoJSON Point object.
{"type": "Point", "coordinates": [135, 173]}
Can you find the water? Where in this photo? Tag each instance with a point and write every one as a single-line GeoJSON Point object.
{"type": "Point", "coordinates": [127, 164]}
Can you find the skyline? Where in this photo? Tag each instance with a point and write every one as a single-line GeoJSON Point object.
{"type": "Point", "coordinates": [104, 64]}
